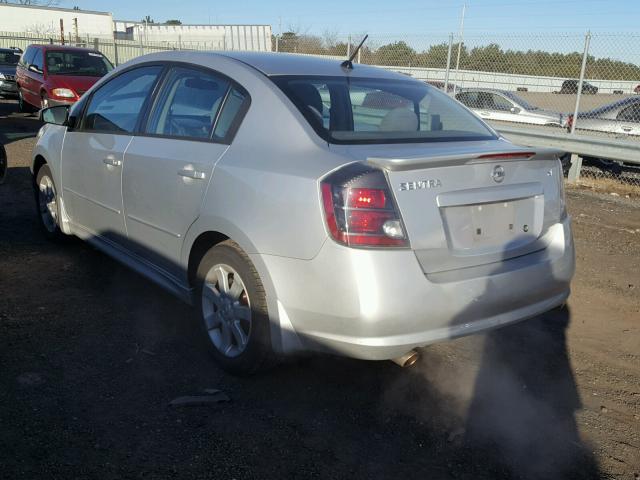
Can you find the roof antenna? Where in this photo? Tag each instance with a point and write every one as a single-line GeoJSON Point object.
{"type": "Point", "coordinates": [349, 63]}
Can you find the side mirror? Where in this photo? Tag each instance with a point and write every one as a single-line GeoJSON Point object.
{"type": "Point", "coordinates": [58, 115]}
{"type": "Point", "coordinates": [515, 110]}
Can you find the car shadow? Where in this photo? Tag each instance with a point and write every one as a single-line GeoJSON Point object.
{"type": "Point", "coordinates": [116, 349]}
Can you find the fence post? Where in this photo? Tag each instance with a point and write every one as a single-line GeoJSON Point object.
{"type": "Point", "coordinates": [277, 43]}
{"type": "Point", "coordinates": [587, 40]}
{"type": "Point", "coordinates": [115, 52]}
{"type": "Point", "coordinates": [141, 47]}
{"type": "Point", "coordinates": [574, 170]}
{"type": "Point", "coordinates": [179, 42]}
{"type": "Point", "coordinates": [349, 47]}
{"type": "Point", "coordinates": [448, 70]}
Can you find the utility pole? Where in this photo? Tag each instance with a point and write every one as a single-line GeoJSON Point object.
{"type": "Point", "coordinates": [460, 38]}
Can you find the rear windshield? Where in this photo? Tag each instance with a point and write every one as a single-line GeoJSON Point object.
{"type": "Point", "coordinates": [365, 110]}
{"type": "Point", "coordinates": [89, 64]}
{"type": "Point", "coordinates": [9, 57]}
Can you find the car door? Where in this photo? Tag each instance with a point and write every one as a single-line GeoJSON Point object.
{"type": "Point", "coordinates": [167, 170]}
{"type": "Point", "coordinates": [93, 154]}
{"type": "Point", "coordinates": [628, 120]}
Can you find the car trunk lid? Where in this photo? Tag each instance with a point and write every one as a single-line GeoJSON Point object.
{"type": "Point", "coordinates": [475, 205]}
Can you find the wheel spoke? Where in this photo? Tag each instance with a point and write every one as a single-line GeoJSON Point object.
{"type": "Point", "coordinates": [210, 293]}
{"type": "Point", "coordinates": [223, 279]}
{"type": "Point", "coordinates": [242, 312]}
{"type": "Point", "coordinates": [225, 338]}
{"type": "Point", "coordinates": [236, 288]}
{"type": "Point", "coordinates": [212, 320]}
{"type": "Point", "coordinates": [238, 334]}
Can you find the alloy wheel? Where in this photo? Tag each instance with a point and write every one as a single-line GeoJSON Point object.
{"type": "Point", "coordinates": [47, 203]}
{"type": "Point", "coordinates": [226, 310]}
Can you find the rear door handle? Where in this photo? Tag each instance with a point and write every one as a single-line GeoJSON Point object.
{"type": "Point", "coordinates": [195, 174]}
{"type": "Point", "coordinates": [112, 162]}
{"type": "Point", "coordinates": [626, 128]}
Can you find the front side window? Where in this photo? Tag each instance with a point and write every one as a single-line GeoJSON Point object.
{"type": "Point", "coordinates": [37, 61]}
{"type": "Point", "coordinates": [361, 110]}
{"type": "Point", "coordinates": [188, 104]}
{"type": "Point", "coordinates": [27, 56]}
{"type": "Point", "coordinates": [80, 63]}
{"type": "Point", "coordinates": [117, 105]}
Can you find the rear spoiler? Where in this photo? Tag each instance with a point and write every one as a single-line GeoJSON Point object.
{"type": "Point", "coordinates": [466, 158]}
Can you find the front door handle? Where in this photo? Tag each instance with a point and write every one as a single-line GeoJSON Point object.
{"type": "Point", "coordinates": [189, 173]}
{"type": "Point", "coordinates": [626, 128]}
{"type": "Point", "coordinates": [112, 162]}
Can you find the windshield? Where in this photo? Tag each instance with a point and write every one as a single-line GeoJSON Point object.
{"type": "Point", "coordinates": [89, 64]}
{"type": "Point", "coordinates": [9, 57]}
{"type": "Point", "coordinates": [363, 110]}
{"type": "Point", "coordinates": [523, 103]}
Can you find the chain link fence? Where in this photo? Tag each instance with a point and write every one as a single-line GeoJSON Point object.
{"type": "Point", "coordinates": [562, 83]}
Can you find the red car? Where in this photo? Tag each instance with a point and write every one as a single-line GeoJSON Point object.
{"type": "Point", "coordinates": [50, 75]}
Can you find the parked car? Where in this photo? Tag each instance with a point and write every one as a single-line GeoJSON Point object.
{"type": "Point", "coordinates": [571, 86]}
{"type": "Point", "coordinates": [621, 117]}
{"type": "Point", "coordinates": [8, 62]}
{"type": "Point", "coordinates": [492, 104]}
{"type": "Point", "coordinates": [440, 85]}
{"type": "Point", "coordinates": [55, 74]}
{"type": "Point", "coordinates": [294, 223]}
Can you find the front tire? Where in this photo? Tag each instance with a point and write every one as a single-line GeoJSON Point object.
{"type": "Point", "coordinates": [233, 310]}
{"type": "Point", "coordinates": [47, 205]}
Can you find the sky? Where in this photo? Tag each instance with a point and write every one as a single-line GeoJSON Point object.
{"type": "Point", "coordinates": [389, 18]}
{"type": "Point", "coordinates": [551, 25]}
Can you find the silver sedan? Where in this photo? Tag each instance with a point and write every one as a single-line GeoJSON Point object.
{"type": "Point", "coordinates": [506, 106]}
{"type": "Point", "coordinates": [621, 118]}
{"type": "Point", "coordinates": [301, 204]}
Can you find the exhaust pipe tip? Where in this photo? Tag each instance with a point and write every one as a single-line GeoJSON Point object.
{"type": "Point", "coordinates": [407, 359]}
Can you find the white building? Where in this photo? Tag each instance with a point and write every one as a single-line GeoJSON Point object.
{"type": "Point", "coordinates": [211, 37]}
{"type": "Point", "coordinates": [46, 21]}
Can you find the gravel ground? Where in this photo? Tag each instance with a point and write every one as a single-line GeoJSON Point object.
{"type": "Point", "coordinates": [91, 355]}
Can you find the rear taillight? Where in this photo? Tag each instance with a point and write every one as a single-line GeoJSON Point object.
{"type": "Point", "coordinates": [359, 209]}
{"type": "Point", "coordinates": [569, 122]}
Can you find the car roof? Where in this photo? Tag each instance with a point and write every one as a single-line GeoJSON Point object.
{"type": "Point", "coordinates": [480, 89]}
{"type": "Point", "coordinates": [62, 47]}
{"type": "Point", "coordinates": [624, 102]}
{"type": "Point", "coordinates": [272, 64]}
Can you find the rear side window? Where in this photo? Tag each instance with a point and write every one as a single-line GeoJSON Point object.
{"type": "Point", "coordinates": [188, 104]}
{"type": "Point", "coordinates": [367, 110]}
{"type": "Point", "coordinates": [630, 114]}
{"type": "Point", "coordinates": [230, 115]}
{"type": "Point", "coordinates": [116, 106]}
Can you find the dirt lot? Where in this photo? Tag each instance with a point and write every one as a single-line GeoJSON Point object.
{"type": "Point", "coordinates": [91, 354]}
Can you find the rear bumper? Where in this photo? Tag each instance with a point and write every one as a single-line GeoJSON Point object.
{"type": "Point", "coordinates": [377, 305]}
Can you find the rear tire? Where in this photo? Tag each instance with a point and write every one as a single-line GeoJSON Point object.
{"type": "Point", "coordinates": [47, 205]}
{"type": "Point", "coordinates": [23, 106]}
{"type": "Point", "coordinates": [232, 310]}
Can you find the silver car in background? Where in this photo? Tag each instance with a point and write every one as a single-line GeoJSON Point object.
{"type": "Point", "coordinates": [303, 205]}
{"type": "Point", "coordinates": [506, 106]}
{"type": "Point", "coordinates": [621, 118]}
